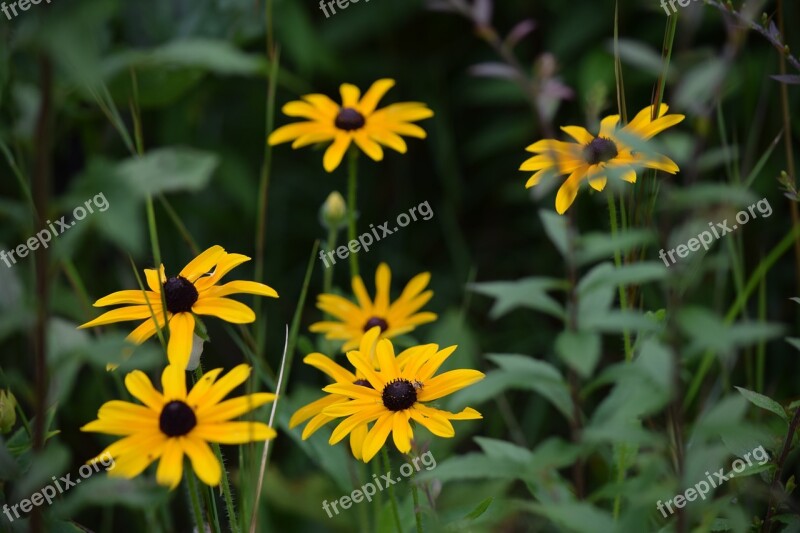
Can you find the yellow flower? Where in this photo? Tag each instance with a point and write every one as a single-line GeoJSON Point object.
{"type": "Point", "coordinates": [175, 423]}
{"type": "Point", "coordinates": [593, 159]}
{"type": "Point", "coordinates": [338, 374]}
{"type": "Point", "coordinates": [191, 291]}
{"type": "Point", "coordinates": [393, 318]}
{"type": "Point", "coordinates": [356, 120]}
{"type": "Point", "coordinates": [399, 395]}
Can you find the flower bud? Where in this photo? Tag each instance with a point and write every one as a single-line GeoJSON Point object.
{"type": "Point", "coordinates": [8, 413]}
{"type": "Point", "coordinates": [334, 211]}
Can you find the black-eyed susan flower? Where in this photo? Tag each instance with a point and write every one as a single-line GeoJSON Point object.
{"type": "Point", "coordinates": [174, 423]}
{"type": "Point", "coordinates": [356, 120]}
{"type": "Point", "coordinates": [593, 159]}
{"type": "Point", "coordinates": [193, 291]}
{"type": "Point", "coordinates": [399, 395]}
{"type": "Point", "coordinates": [394, 318]}
{"type": "Point", "coordinates": [338, 374]}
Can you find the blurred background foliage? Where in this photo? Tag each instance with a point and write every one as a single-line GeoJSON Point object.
{"type": "Point", "coordinates": [202, 77]}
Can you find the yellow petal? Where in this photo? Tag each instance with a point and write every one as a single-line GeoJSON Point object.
{"type": "Point", "coordinates": [335, 152]}
{"type": "Point", "coordinates": [124, 314]}
{"type": "Point", "coordinates": [598, 184]}
{"type": "Point", "coordinates": [290, 132]}
{"type": "Point", "coordinates": [173, 382]}
{"type": "Point", "coordinates": [377, 436]}
{"type": "Point", "coordinates": [223, 386]}
{"type": "Point", "coordinates": [130, 297]}
{"type": "Point", "coordinates": [330, 367]}
{"type": "Point", "coordinates": [608, 125]}
{"type": "Point", "coordinates": [313, 409]}
{"type": "Point", "coordinates": [383, 282]}
{"type": "Point", "coordinates": [145, 330]}
{"type": "Point", "coordinates": [234, 407]}
{"type": "Point", "coordinates": [181, 336]}
{"type": "Point", "coordinates": [448, 383]}
{"type": "Point", "coordinates": [568, 191]}
{"type": "Point", "coordinates": [227, 263]}
{"type": "Point", "coordinates": [228, 310]}
{"type": "Point", "coordinates": [153, 279]}
{"type": "Point", "coordinates": [234, 432]}
{"type": "Point", "coordinates": [357, 437]}
{"type": "Point", "coordinates": [170, 467]}
{"type": "Point", "coordinates": [198, 393]}
{"type": "Point", "coordinates": [350, 95]}
{"type": "Point", "coordinates": [202, 263]}
{"type": "Point", "coordinates": [373, 95]}
{"type": "Point", "coordinates": [351, 422]}
{"type": "Point", "coordinates": [578, 133]}
{"type": "Point", "coordinates": [401, 431]}
{"type": "Point", "coordinates": [241, 287]}
{"type": "Point", "coordinates": [390, 139]}
{"type": "Point", "coordinates": [436, 424]}
{"type": "Point", "coordinates": [387, 360]}
{"type": "Point", "coordinates": [368, 146]}
{"type": "Point", "coordinates": [141, 388]}
{"type": "Point", "coordinates": [204, 462]}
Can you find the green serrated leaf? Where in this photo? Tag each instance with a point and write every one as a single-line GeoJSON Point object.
{"type": "Point", "coordinates": [764, 402]}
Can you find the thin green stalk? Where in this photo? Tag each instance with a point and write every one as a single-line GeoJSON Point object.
{"type": "Point", "coordinates": [194, 499]}
{"type": "Point", "coordinates": [179, 224]}
{"type": "Point", "coordinates": [415, 499]}
{"type": "Point", "coordinates": [395, 510]}
{"type": "Point", "coordinates": [327, 275]}
{"type": "Point", "coordinates": [741, 300]}
{"type": "Point", "coordinates": [211, 508]}
{"type": "Point", "coordinates": [761, 351]}
{"type": "Point", "coordinates": [623, 297]}
{"type": "Point", "coordinates": [352, 186]}
{"type": "Point", "coordinates": [226, 485]}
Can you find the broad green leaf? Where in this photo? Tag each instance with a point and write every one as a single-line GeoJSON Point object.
{"type": "Point", "coordinates": [579, 517]}
{"type": "Point", "coordinates": [527, 292]}
{"type": "Point", "coordinates": [555, 226]}
{"type": "Point", "coordinates": [480, 509]}
{"type": "Point", "coordinates": [764, 402]}
{"type": "Point", "coordinates": [580, 350]}
{"type": "Point", "coordinates": [601, 246]}
{"type": "Point", "coordinates": [168, 170]}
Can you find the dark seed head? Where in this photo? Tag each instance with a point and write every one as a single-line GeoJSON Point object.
{"type": "Point", "coordinates": [176, 419]}
{"type": "Point", "coordinates": [600, 150]}
{"type": "Point", "coordinates": [398, 395]}
{"type": "Point", "coordinates": [349, 119]}
{"type": "Point", "coordinates": [180, 295]}
{"type": "Point", "coordinates": [375, 321]}
{"type": "Point", "coordinates": [363, 383]}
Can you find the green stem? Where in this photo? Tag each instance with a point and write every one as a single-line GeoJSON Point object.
{"type": "Point", "coordinates": [388, 466]}
{"type": "Point", "coordinates": [741, 299]}
{"type": "Point", "coordinates": [226, 485]}
{"type": "Point", "coordinates": [415, 498]}
{"type": "Point", "coordinates": [352, 186]}
{"type": "Point", "coordinates": [194, 499]}
{"type": "Point", "coordinates": [623, 296]}
{"type": "Point", "coordinates": [327, 282]}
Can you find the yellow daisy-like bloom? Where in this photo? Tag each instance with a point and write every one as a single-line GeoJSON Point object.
{"type": "Point", "coordinates": [191, 291]}
{"type": "Point", "coordinates": [175, 423]}
{"type": "Point", "coordinates": [356, 120]}
{"type": "Point", "coordinates": [394, 319]}
{"type": "Point", "coordinates": [338, 374]}
{"type": "Point", "coordinates": [399, 395]}
{"type": "Point", "coordinates": [593, 159]}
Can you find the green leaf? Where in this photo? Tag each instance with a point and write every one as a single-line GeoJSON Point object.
{"type": "Point", "coordinates": [574, 516]}
{"type": "Point", "coordinates": [527, 292]}
{"type": "Point", "coordinates": [215, 56]}
{"type": "Point", "coordinates": [480, 509]}
{"type": "Point", "coordinates": [168, 170]}
{"type": "Point", "coordinates": [580, 350]}
{"type": "Point", "coordinates": [709, 332]}
{"type": "Point", "coordinates": [555, 226]}
{"type": "Point", "coordinates": [764, 402]}
{"type": "Point", "coordinates": [635, 274]}
{"type": "Point", "coordinates": [619, 321]}
{"type": "Point", "coordinates": [601, 246]}
{"type": "Point", "coordinates": [706, 194]}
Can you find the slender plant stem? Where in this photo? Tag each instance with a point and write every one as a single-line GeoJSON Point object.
{"type": "Point", "coordinates": [352, 190]}
{"type": "Point", "coordinates": [327, 276]}
{"type": "Point", "coordinates": [392, 497]}
{"type": "Point", "coordinates": [415, 499]}
{"type": "Point", "coordinates": [194, 499]}
{"type": "Point", "coordinates": [623, 295]}
{"type": "Point", "coordinates": [787, 446]}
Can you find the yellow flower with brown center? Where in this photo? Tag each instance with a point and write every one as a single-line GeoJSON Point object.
{"type": "Point", "coordinates": [613, 152]}
{"type": "Point", "coordinates": [394, 318]}
{"type": "Point", "coordinates": [357, 120]}
{"type": "Point", "coordinates": [399, 395]}
{"type": "Point", "coordinates": [175, 423]}
{"type": "Point", "coordinates": [193, 291]}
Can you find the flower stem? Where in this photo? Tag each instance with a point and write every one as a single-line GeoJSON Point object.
{"type": "Point", "coordinates": [226, 485]}
{"type": "Point", "coordinates": [352, 186]}
{"type": "Point", "coordinates": [194, 499]}
{"type": "Point", "coordinates": [392, 497]}
{"type": "Point", "coordinates": [415, 498]}
{"type": "Point", "coordinates": [623, 297]}
{"type": "Point", "coordinates": [327, 278]}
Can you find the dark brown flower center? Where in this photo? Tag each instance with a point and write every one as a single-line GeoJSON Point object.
{"type": "Point", "coordinates": [398, 395]}
{"type": "Point", "coordinates": [375, 321]}
{"type": "Point", "coordinates": [349, 119]}
{"type": "Point", "coordinates": [180, 295]}
{"type": "Point", "coordinates": [176, 419]}
{"type": "Point", "coordinates": [363, 383]}
{"type": "Point", "coordinates": [600, 150]}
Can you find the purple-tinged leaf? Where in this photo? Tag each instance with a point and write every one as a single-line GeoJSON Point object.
{"type": "Point", "coordinates": [482, 12]}
{"type": "Point", "coordinates": [519, 32]}
{"type": "Point", "coordinates": [494, 70]}
{"type": "Point", "coordinates": [788, 79]}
